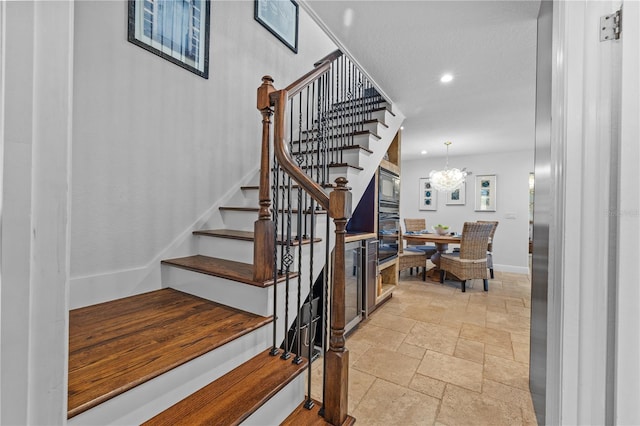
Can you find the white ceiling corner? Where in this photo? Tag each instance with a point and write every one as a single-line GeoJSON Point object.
{"type": "Point", "coordinates": [405, 47]}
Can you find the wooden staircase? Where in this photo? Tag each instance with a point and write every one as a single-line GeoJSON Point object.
{"type": "Point", "coordinates": [197, 351]}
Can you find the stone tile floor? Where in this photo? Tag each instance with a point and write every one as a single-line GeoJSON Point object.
{"type": "Point", "coordinates": [434, 355]}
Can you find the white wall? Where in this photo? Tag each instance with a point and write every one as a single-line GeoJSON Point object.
{"type": "Point", "coordinates": [155, 146]}
{"type": "Point", "coordinates": [512, 182]}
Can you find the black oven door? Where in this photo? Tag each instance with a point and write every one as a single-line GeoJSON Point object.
{"type": "Point", "coordinates": [388, 187]}
{"type": "Point", "coordinates": [388, 225]}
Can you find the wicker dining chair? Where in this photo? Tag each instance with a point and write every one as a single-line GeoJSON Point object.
{"type": "Point", "coordinates": [412, 258]}
{"type": "Point", "coordinates": [490, 245]}
{"type": "Point", "coordinates": [416, 225]}
{"type": "Point", "coordinates": [471, 261]}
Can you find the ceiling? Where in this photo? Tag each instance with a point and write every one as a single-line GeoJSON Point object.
{"type": "Point", "coordinates": [406, 46]}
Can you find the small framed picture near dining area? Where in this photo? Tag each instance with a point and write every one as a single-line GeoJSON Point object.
{"type": "Point", "coordinates": [428, 195]}
{"type": "Point", "coordinates": [280, 17]}
{"type": "Point", "coordinates": [485, 193]}
{"type": "Point", "coordinates": [458, 196]}
{"type": "Point", "coordinates": [177, 31]}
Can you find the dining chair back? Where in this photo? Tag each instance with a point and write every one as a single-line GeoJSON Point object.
{"type": "Point", "coordinates": [490, 245]}
{"type": "Point", "coordinates": [471, 261]}
{"type": "Point", "coordinates": [415, 225]}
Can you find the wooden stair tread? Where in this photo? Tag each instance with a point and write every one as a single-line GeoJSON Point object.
{"type": "Point", "coordinates": [302, 416]}
{"type": "Point", "coordinates": [243, 235]}
{"type": "Point", "coordinates": [331, 166]}
{"type": "Point", "coordinates": [224, 268]}
{"type": "Point", "coordinates": [256, 209]}
{"type": "Point", "coordinates": [334, 165]}
{"type": "Point", "coordinates": [115, 346]}
{"type": "Point", "coordinates": [235, 396]}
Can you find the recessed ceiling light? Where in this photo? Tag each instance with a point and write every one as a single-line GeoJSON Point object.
{"type": "Point", "coordinates": [446, 78]}
{"type": "Point", "coordinates": [423, 152]}
{"type": "Point", "coordinates": [401, 127]}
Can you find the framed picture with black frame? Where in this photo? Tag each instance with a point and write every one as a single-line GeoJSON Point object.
{"type": "Point", "coordinates": [280, 17]}
{"type": "Point", "coordinates": [177, 31]}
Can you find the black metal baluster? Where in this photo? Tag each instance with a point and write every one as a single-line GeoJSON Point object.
{"type": "Point", "coordinates": [310, 330]}
{"type": "Point", "coordinates": [298, 358]}
{"type": "Point", "coordinates": [274, 214]}
{"type": "Point", "coordinates": [288, 261]}
{"type": "Point", "coordinates": [325, 314]}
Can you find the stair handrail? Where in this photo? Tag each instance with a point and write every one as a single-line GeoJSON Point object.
{"type": "Point", "coordinates": [338, 207]}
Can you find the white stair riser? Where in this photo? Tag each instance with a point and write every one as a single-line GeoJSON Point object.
{"type": "Point", "coordinates": [243, 221]}
{"type": "Point", "coordinates": [381, 115]}
{"type": "Point", "coordinates": [365, 140]}
{"type": "Point", "coordinates": [347, 156]}
{"type": "Point", "coordinates": [156, 395]}
{"type": "Point", "coordinates": [237, 295]}
{"type": "Point", "coordinates": [336, 127]}
{"type": "Point", "coordinates": [240, 250]}
{"type": "Point", "coordinates": [276, 409]}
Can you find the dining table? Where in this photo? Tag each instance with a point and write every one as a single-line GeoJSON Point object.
{"type": "Point", "coordinates": [442, 245]}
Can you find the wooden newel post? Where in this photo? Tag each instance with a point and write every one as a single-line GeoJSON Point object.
{"type": "Point", "coordinates": [337, 374]}
{"type": "Point", "coordinates": [263, 228]}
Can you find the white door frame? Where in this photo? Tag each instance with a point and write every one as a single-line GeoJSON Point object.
{"type": "Point", "coordinates": [584, 268]}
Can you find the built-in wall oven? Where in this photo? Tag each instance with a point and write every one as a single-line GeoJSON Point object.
{"type": "Point", "coordinates": [388, 187]}
{"type": "Point", "coordinates": [388, 214]}
{"type": "Point", "coordinates": [388, 223]}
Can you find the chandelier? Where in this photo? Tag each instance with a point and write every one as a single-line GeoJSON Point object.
{"type": "Point", "coordinates": [447, 179]}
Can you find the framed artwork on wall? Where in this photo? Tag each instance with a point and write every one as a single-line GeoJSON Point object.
{"type": "Point", "coordinates": [485, 193]}
{"type": "Point", "coordinates": [457, 197]}
{"type": "Point", "coordinates": [280, 17]}
{"type": "Point", "coordinates": [428, 195]}
{"type": "Point", "coordinates": [176, 30]}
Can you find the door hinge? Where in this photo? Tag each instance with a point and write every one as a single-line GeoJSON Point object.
{"type": "Point", "coordinates": [611, 26]}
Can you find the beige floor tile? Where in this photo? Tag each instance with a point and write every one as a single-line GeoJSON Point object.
{"type": "Point", "coordinates": [505, 352]}
{"type": "Point", "coordinates": [377, 336]}
{"type": "Point", "coordinates": [463, 407]}
{"type": "Point", "coordinates": [389, 404]}
{"type": "Point", "coordinates": [458, 316]}
{"type": "Point", "coordinates": [433, 336]}
{"type": "Point", "coordinates": [412, 351]}
{"type": "Point", "coordinates": [356, 348]}
{"type": "Point", "coordinates": [476, 309]}
{"type": "Point", "coordinates": [519, 310]}
{"type": "Point", "coordinates": [423, 338]}
{"type": "Point", "coordinates": [451, 302]}
{"type": "Point", "coordinates": [508, 322]}
{"type": "Point", "coordinates": [486, 335]}
{"type": "Point", "coordinates": [461, 372]}
{"type": "Point", "coordinates": [496, 390]}
{"type": "Point", "coordinates": [392, 322]}
{"type": "Point", "coordinates": [520, 337]}
{"type": "Point", "coordinates": [501, 308]}
{"type": "Point", "coordinates": [424, 313]}
{"type": "Point", "coordinates": [427, 385]}
{"type": "Point", "coordinates": [511, 373]}
{"type": "Point", "coordinates": [469, 350]}
{"type": "Point", "coordinates": [515, 303]}
{"type": "Point", "coordinates": [388, 365]}
{"type": "Point", "coordinates": [529, 417]}
{"type": "Point", "coordinates": [521, 352]}
{"type": "Point", "coordinates": [359, 385]}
